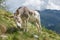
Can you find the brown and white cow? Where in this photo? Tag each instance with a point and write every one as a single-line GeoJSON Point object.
{"type": "Point", "coordinates": [24, 14]}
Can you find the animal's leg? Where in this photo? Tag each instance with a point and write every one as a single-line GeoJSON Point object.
{"type": "Point", "coordinates": [38, 24]}
{"type": "Point", "coordinates": [25, 28]}
{"type": "Point", "coordinates": [38, 28]}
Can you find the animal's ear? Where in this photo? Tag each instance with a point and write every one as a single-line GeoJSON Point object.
{"type": "Point", "coordinates": [16, 13]}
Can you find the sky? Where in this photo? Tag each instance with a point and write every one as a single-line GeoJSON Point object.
{"type": "Point", "coordinates": [53, 4]}
{"type": "Point", "coordinates": [33, 4]}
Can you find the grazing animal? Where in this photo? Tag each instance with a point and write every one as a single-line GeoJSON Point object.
{"type": "Point", "coordinates": [23, 15]}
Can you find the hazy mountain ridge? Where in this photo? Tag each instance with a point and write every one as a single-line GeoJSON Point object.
{"type": "Point", "coordinates": [51, 19]}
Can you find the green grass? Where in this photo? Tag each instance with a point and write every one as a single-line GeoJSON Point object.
{"type": "Point", "coordinates": [20, 35]}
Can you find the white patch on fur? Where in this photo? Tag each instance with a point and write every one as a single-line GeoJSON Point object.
{"type": "Point", "coordinates": [37, 15]}
{"type": "Point", "coordinates": [19, 24]}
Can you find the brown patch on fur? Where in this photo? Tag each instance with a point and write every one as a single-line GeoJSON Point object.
{"type": "Point", "coordinates": [30, 13]}
{"type": "Point", "coordinates": [19, 21]}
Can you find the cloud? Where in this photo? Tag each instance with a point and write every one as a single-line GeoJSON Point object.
{"type": "Point", "coordinates": [33, 4]}
{"type": "Point", "coordinates": [36, 4]}
{"type": "Point", "coordinates": [53, 6]}
{"type": "Point", "coordinates": [13, 5]}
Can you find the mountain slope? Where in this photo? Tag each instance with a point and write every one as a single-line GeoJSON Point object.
{"type": "Point", "coordinates": [5, 18]}
{"type": "Point", "coordinates": [8, 22]}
